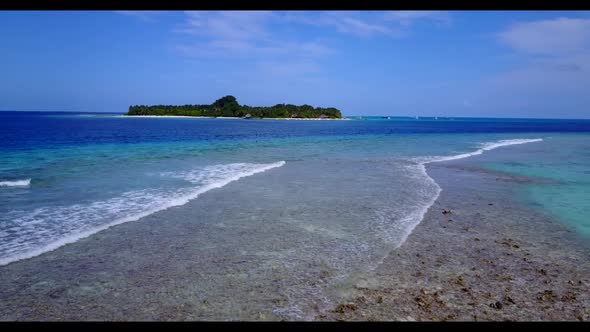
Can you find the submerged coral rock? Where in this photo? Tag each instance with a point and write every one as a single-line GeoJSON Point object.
{"type": "Point", "coordinates": [342, 308]}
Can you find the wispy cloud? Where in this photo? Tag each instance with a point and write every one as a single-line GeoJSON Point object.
{"type": "Point", "coordinates": [571, 67]}
{"type": "Point", "coordinates": [228, 25]}
{"type": "Point", "coordinates": [254, 36]}
{"type": "Point", "coordinates": [270, 39]}
{"type": "Point", "coordinates": [543, 76]}
{"type": "Point", "coordinates": [343, 22]}
{"type": "Point", "coordinates": [555, 67]}
{"type": "Point", "coordinates": [261, 33]}
{"type": "Point", "coordinates": [242, 33]}
{"type": "Point", "coordinates": [409, 17]}
{"type": "Point", "coordinates": [557, 45]}
{"type": "Point", "coordinates": [549, 37]}
{"type": "Point", "coordinates": [368, 24]}
{"type": "Point", "coordinates": [357, 26]}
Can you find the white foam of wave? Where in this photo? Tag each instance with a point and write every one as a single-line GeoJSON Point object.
{"type": "Point", "coordinates": [484, 147]}
{"type": "Point", "coordinates": [394, 223]}
{"type": "Point", "coordinates": [28, 234]}
{"type": "Point", "coordinates": [429, 191]}
{"type": "Point", "coordinates": [394, 226]}
{"type": "Point", "coordinates": [17, 183]}
{"type": "Point", "coordinates": [218, 173]}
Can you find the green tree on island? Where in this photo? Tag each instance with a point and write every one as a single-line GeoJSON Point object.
{"type": "Point", "coordinates": [228, 106]}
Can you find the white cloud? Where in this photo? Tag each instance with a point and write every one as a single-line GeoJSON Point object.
{"type": "Point", "coordinates": [408, 17]}
{"type": "Point", "coordinates": [361, 27]}
{"type": "Point", "coordinates": [261, 33]}
{"type": "Point", "coordinates": [271, 45]}
{"type": "Point", "coordinates": [348, 23]}
{"type": "Point", "coordinates": [228, 25]}
{"type": "Point", "coordinates": [243, 33]}
{"type": "Point", "coordinates": [549, 37]}
{"type": "Point", "coordinates": [369, 23]}
{"type": "Point", "coordinates": [554, 69]}
{"type": "Point", "coordinates": [556, 53]}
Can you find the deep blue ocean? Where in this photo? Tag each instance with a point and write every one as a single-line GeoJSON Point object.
{"type": "Point", "coordinates": [65, 176]}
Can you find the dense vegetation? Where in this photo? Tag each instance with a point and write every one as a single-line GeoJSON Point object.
{"type": "Point", "coordinates": [228, 106]}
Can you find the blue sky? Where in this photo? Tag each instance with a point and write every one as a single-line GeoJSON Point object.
{"type": "Point", "coordinates": [456, 63]}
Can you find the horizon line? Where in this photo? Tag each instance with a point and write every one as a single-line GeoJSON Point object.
{"type": "Point", "coordinates": [347, 116]}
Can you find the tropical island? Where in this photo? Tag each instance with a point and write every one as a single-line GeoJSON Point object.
{"type": "Point", "coordinates": [228, 106]}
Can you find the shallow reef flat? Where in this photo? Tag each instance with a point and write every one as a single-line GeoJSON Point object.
{"type": "Point", "coordinates": [481, 253]}
{"type": "Point", "coordinates": [477, 256]}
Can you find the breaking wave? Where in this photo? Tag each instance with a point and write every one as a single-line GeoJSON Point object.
{"type": "Point", "coordinates": [26, 234]}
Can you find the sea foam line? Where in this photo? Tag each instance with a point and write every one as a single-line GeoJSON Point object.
{"type": "Point", "coordinates": [17, 183]}
{"type": "Point", "coordinates": [415, 218]}
{"type": "Point", "coordinates": [172, 203]}
{"type": "Point", "coordinates": [484, 147]}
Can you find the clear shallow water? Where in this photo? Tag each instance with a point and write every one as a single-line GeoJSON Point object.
{"type": "Point", "coordinates": [562, 163]}
{"type": "Point", "coordinates": [342, 193]}
{"type": "Point", "coordinates": [63, 174]}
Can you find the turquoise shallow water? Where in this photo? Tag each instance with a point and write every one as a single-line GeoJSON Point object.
{"type": "Point", "coordinates": [562, 162]}
{"type": "Point", "coordinates": [67, 176]}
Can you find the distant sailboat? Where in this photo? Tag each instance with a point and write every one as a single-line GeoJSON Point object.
{"type": "Point", "coordinates": [436, 117]}
{"type": "Point", "coordinates": [417, 118]}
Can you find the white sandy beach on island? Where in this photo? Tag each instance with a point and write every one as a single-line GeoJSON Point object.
{"type": "Point", "coordinates": [219, 117]}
